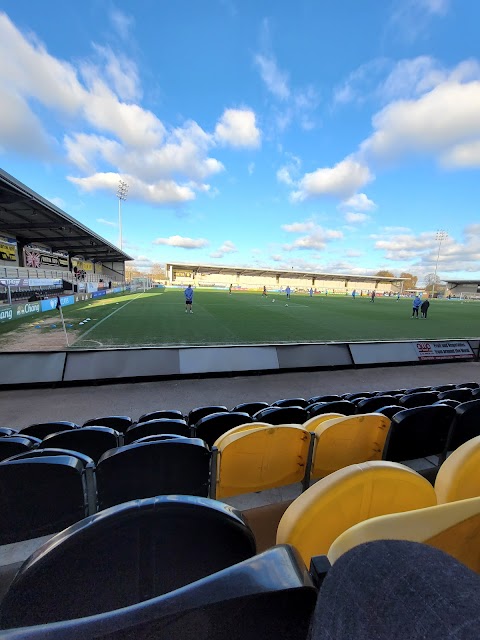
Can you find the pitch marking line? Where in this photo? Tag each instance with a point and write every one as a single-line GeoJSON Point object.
{"type": "Point", "coordinates": [82, 337]}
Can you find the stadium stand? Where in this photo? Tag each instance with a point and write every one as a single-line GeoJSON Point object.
{"type": "Point", "coordinates": [163, 414]}
{"type": "Point", "coordinates": [91, 441]}
{"type": "Point", "coordinates": [44, 429]}
{"type": "Point", "coordinates": [15, 444]}
{"type": "Point", "coordinates": [211, 427]}
{"type": "Point", "coordinates": [331, 506]}
{"type": "Point", "coordinates": [418, 399]}
{"type": "Point", "coordinates": [119, 423]}
{"type": "Point", "coordinates": [282, 415]}
{"type": "Point", "coordinates": [344, 407]}
{"type": "Point", "coordinates": [7, 431]}
{"type": "Point", "coordinates": [200, 412]}
{"type": "Point", "coordinates": [157, 427]}
{"type": "Point", "coordinates": [291, 402]}
{"type": "Point", "coordinates": [250, 407]}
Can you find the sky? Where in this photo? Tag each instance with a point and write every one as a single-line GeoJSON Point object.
{"type": "Point", "coordinates": [325, 136]}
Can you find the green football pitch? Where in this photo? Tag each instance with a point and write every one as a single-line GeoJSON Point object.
{"type": "Point", "coordinates": [158, 318]}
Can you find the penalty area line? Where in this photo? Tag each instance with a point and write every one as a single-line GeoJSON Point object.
{"type": "Point", "coordinates": [82, 337]}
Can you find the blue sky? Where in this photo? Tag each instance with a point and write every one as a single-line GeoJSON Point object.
{"type": "Point", "coordinates": [325, 136]}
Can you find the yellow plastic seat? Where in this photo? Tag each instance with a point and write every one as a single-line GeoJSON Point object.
{"type": "Point", "coordinates": [243, 427]}
{"type": "Point", "coordinates": [453, 528]}
{"type": "Point", "coordinates": [313, 423]}
{"type": "Point", "coordinates": [459, 476]}
{"type": "Point", "coordinates": [348, 440]}
{"type": "Point", "coordinates": [259, 459]}
{"type": "Point", "coordinates": [348, 496]}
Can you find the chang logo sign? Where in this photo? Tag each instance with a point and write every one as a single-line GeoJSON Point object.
{"type": "Point", "coordinates": [28, 308]}
{"type": "Point", "coordinates": [6, 314]}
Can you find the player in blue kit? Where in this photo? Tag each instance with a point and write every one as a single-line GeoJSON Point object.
{"type": "Point", "coordinates": [188, 299]}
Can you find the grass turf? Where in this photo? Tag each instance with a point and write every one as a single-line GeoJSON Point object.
{"type": "Point", "coordinates": [159, 319]}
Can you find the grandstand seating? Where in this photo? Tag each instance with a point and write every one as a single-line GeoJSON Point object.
{"type": "Point", "coordinates": [146, 469]}
{"type": "Point", "coordinates": [461, 394]}
{"type": "Point", "coordinates": [125, 555]}
{"type": "Point", "coordinates": [157, 427]}
{"type": "Point", "coordinates": [345, 407]}
{"type": "Point", "coordinates": [44, 429]}
{"type": "Point", "coordinates": [211, 427]}
{"type": "Point", "coordinates": [418, 399]}
{"type": "Point", "coordinates": [340, 442]}
{"type": "Point", "coordinates": [453, 527]}
{"type": "Point", "coordinates": [291, 402]}
{"type": "Point", "coordinates": [250, 407]}
{"type": "Point", "coordinates": [324, 398]}
{"type": "Point", "coordinates": [262, 458]}
{"type": "Point", "coordinates": [13, 445]}
{"type": "Point", "coordinates": [466, 425]}
{"type": "Point", "coordinates": [163, 414]}
{"type": "Point", "coordinates": [390, 410]}
{"type": "Point", "coordinates": [368, 405]}
{"type": "Point", "coordinates": [92, 441]}
{"type": "Point", "coordinates": [282, 415]}
{"type": "Point", "coordinates": [200, 412]}
{"type": "Point", "coordinates": [458, 477]}
{"type": "Point", "coordinates": [119, 423]}
{"type": "Point", "coordinates": [331, 506]}
{"type": "Point", "coordinates": [7, 431]}
{"type": "Point", "coordinates": [44, 491]}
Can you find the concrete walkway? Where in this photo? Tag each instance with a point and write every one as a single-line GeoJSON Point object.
{"type": "Point", "coordinates": [24, 407]}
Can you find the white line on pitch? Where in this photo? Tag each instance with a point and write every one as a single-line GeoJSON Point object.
{"type": "Point", "coordinates": [82, 337]}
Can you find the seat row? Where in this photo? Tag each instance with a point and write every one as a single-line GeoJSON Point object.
{"type": "Point", "coordinates": [249, 458]}
{"type": "Point", "coordinates": [128, 567]}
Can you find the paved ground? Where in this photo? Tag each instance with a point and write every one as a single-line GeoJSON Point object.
{"type": "Point", "coordinates": [24, 407]}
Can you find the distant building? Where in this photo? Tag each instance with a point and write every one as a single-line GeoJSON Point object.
{"type": "Point", "coordinates": [463, 288]}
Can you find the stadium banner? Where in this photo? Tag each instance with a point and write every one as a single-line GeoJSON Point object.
{"type": "Point", "coordinates": [447, 350]}
{"type": "Point", "coordinates": [6, 313]}
{"type": "Point", "coordinates": [82, 265]}
{"type": "Point", "coordinates": [38, 258]}
{"type": "Point", "coordinates": [8, 249]}
{"type": "Point", "coordinates": [98, 294]}
{"type": "Point", "coordinates": [51, 303]}
{"type": "Point", "coordinates": [14, 282]}
{"type": "Point", "coordinates": [43, 282]}
{"type": "Point", "coordinates": [25, 309]}
{"type": "Point", "coordinates": [92, 286]}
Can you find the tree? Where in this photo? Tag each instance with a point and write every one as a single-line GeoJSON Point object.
{"type": "Point", "coordinates": [157, 272]}
{"type": "Point", "coordinates": [132, 271]}
{"type": "Point", "coordinates": [383, 273]}
{"type": "Point", "coordinates": [411, 283]}
{"type": "Point", "coordinates": [432, 283]}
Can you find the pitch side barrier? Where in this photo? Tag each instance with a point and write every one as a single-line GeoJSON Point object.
{"type": "Point", "coordinates": [116, 365]}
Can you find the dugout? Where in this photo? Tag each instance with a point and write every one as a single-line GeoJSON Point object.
{"type": "Point", "coordinates": [42, 247]}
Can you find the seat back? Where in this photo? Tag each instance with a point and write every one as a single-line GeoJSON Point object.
{"type": "Point", "coordinates": [466, 424]}
{"type": "Point", "coordinates": [282, 415]}
{"type": "Point", "coordinates": [313, 423]}
{"type": "Point", "coordinates": [454, 528]}
{"type": "Point", "coordinates": [200, 412]}
{"type": "Point", "coordinates": [390, 410]}
{"type": "Point", "coordinates": [458, 477]}
{"type": "Point", "coordinates": [369, 405]}
{"type": "Point", "coordinates": [290, 402]}
{"type": "Point", "coordinates": [345, 407]}
{"type": "Point", "coordinates": [250, 407]}
{"type": "Point", "coordinates": [418, 433]}
{"type": "Point", "coordinates": [350, 440]}
{"type": "Point", "coordinates": [42, 492]}
{"type": "Point", "coordinates": [92, 441]}
{"type": "Point", "coordinates": [12, 445]}
{"type": "Point", "coordinates": [259, 459]}
{"type": "Point", "coordinates": [358, 394]}
{"type": "Point", "coordinates": [462, 395]}
{"type": "Point", "coordinates": [146, 469]}
{"type": "Point", "coordinates": [419, 399]}
{"type": "Point", "coordinates": [125, 555]}
{"type": "Point", "coordinates": [243, 427]}
{"type": "Point", "coordinates": [211, 427]}
{"type": "Point", "coordinates": [467, 385]}
{"type": "Point", "coordinates": [324, 398]}
{"type": "Point", "coordinates": [119, 423]}
{"type": "Point", "coordinates": [7, 431]}
{"type": "Point", "coordinates": [163, 414]}
{"type": "Point", "coordinates": [155, 428]}
{"type": "Point", "coordinates": [331, 506]}
{"type": "Point", "coordinates": [44, 429]}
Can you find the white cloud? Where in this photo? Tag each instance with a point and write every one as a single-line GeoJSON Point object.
{"type": "Point", "coordinates": [237, 127]}
{"type": "Point", "coordinates": [283, 175]}
{"type": "Point", "coordinates": [107, 222]}
{"type": "Point", "coordinates": [315, 240]}
{"type": "Point", "coordinates": [227, 247]}
{"type": "Point", "coordinates": [161, 192]}
{"type": "Point", "coordinates": [299, 227]}
{"type": "Point", "coordinates": [411, 18]}
{"type": "Point", "coordinates": [358, 202]}
{"type": "Point", "coordinates": [354, 218]}
{"type": "Point", "coordinates": [122, 23]}
{"type": "Point", "coordinates": [58, 202]}
{"type": "Point", "coordinates": [275, 80]}
{"type": "Point", "coordinates": [20, 129]}
{"type": "Point", "coordinates": [183, 243]}
{"type": "Point", "coordinates": [289, 172]}
{"type": "Point", "coordinates": [340, 181]}
{"type": "Point", "coordinates": [361, 82]}
{"type": "Point", "coordinates": [466, 155]}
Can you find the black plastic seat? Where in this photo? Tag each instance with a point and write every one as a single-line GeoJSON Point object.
{"type": "Point", "coordinates": [164, 414]}
{"type": "Point", "coordinates": [273, 587]}
{"type": "Point", "coordinates": [408, 392]}
{"type": "Point", "coordinates": [360, 394]}
{"type": "Point", "coordinates": [466, 424]}
{"type": "Point", "coordinates": [390, 410]}
{"type": "Point", "coordinates": [44, 429]}
{"type": "Point", "coordinates": [146, 469]}
{"type": "Point", "coordinates": [448, 403]}
{"type": "Point", "coordinates": [418, 433]}
{"type": "Point", "coordinates": [92, 441]}
{"type": "Point", "coordinates": [282, 415]}
{"type": "Point", "coordinates": [391, 392]}
{"type": "Point", "coordinates": [156, 427]}
{"type": "Point", "coordinates": [126, 555]}
{"type": "Point", "coordinates": [200, 412]}
{"type": "Point", "coordinates": [211, 427]}
{"type": "Point", "coordinates": [13, 445]}
{"type": "Point", "coordinates": [462, 395]}
{"type": "Point", "coordinates": [7, 431]}
{"type": "Point", "coordinates": [42, 491]}
{"type": "Point", "coordinates": [324, 398]}
{"type": "Point", "coordinates": [290, 402]}
{"type": "Point", "coordinates": [250, 407]}
{"type": "Point", "coordinates": [163, 436]}
{"type": "Point", "coordinates": [370, 405]}
{"type": "Point", "coordinates": [344, 407]}
{"type": "Point", "coordinates": [443, 387]}
{"type": "Point", "coordinates": [467, 385]}
{"type": "Point", "coordinates": [419, 399]}
{"type": "Point", "coordinates": [119, 423]}
{"type": "Point", "coordinates": [475, 394]}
